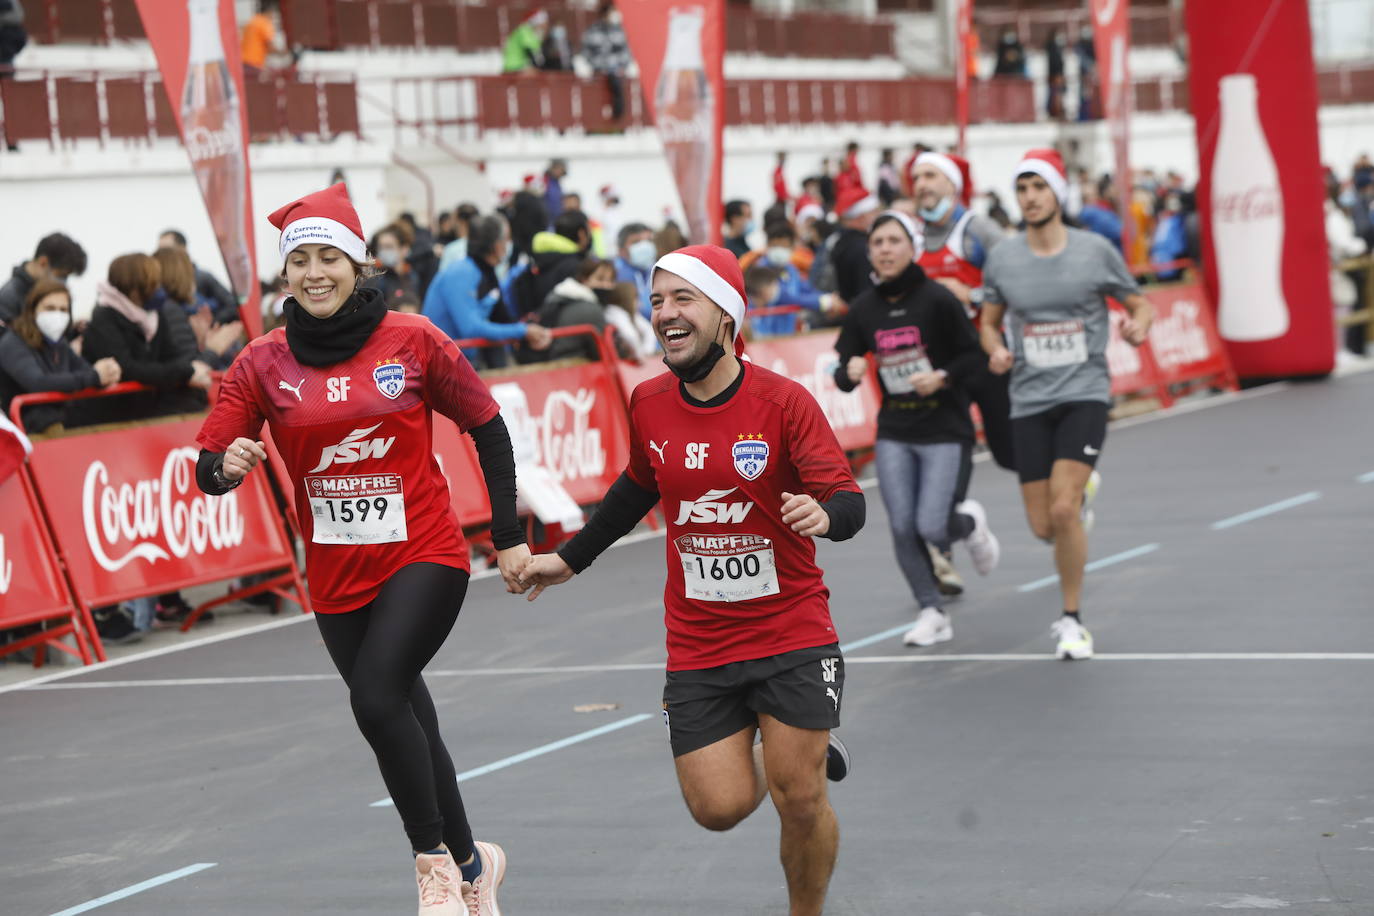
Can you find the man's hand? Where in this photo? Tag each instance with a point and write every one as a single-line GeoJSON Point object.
{"type": "Point", "coordinates": [805, 515]}
{"type": "Point", "coordinates": [831, 303]}
{"type": "Point", "coordinates": [538, 336]}
{"type": "Point", "coordinates": [541, 571]}
{"type": "Point", "coordinates": [511, 561]}
{"type": "Point", "coordinates": [957, 287]}
{"type": "Point", "coordinates": [1135, 332]}
{"type": "Point", "coordinates": [927, 383]}
{"type": "Point", "coordinates": [1000, 362]}
{"type": "Point", "coordinates": [856, 368]}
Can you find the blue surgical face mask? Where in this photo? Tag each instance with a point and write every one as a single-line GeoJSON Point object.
{"type": "Point", "coordinates": [938, 212]}
{"type": "Point", "coordinates": [642, 254]}
{"type": "Point", "coordinates": [779, 255]}
{"type": "Point", "coordinates": [748, 228]}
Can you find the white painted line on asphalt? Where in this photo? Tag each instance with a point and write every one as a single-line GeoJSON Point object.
{"type": "Point", "coordinates": [1123, 657]}
{"type": "Point", "coordinates": [1366, 478]}
{"type": "Point", "coordinates": [1094, 566]}
{"type": "Point", "coordinates": [136, 888]}
{"type": "Point", "coordinates": [539, 751]}
{"type": "Point", "coordinates": [1270, 509]}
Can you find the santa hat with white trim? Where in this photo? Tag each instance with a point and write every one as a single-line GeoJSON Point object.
{"type": "Point", "coordinates": [715, 271]}
{"type": "Point", "coordinates": [955, 168]}
{"type": "Point", "coordinates": [324, 218]}
{"type": "Point", "coordinates": [854, 201]}
{"type": "Point", "coordinates": [1049, 165]}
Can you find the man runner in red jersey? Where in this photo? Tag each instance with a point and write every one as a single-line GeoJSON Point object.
{"type": "Point", "coordinates": [749, 472]}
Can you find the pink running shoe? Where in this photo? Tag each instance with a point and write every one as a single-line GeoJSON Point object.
{"type": "Point", "coordinates": [441, 886]}
{"type": "Point", "coordinates": [480, 895]}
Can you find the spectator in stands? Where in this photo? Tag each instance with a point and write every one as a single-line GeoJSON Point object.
{"type": "Point", "coordinates": [612, 215]}
{"type": "Point", "coordinates": [127, 325]}
{"type": "Point", "coordinates": [826, 182]}
{"type": "Point", "coordinates": [909, 169]}
{"type": "Point", "coordinates": [889, 182]}
{"type": "Point", "coordinates": [578, 299]}
{"type": "Point", "coordinates": [392, 276]}
{"type": "Point", "coordinates": [1342, 243]}
{"type": "Point", "coordinates": [423, 257]}
{"type": "Point", "coordinates": [462, 299]}
{"type": "Point", "coordinates": [1011, 56]}
{"type": "Point", "coordinates": [457, 249]}
{"type": "Point", "coordinates": [810, 195]}
{"type": "Point", "coordinates": [553, 186]}
{"type": "Point", "coordinates": [209, 291]}
{"type": "Point", "coordinates": [528, 216]}
{"type": "Point", "coordinates": [634, 262]}
{"type": "Point", "coordinates": [259, 36]}
{"type": "Point", "coordinates": [1142, 214]}
{"type": "Point", "coordinates": [996, 212]}
{"type": "Point", "coordinates": [192, 325]}
{"type": "Point", "coordinates": [634, 335]}
{"type": "Point", "coordinates": [556, 257]}
{"type": "Point", "coordinates": [13, 36]}
{"type": "Point", "coordinates": [608, 54]}
{"type": "Point", "coordinates": [761, 289]}
{"type": "Point", "coordinates": [524, 51]}
{"type": "Point", "coordinates": [35, 356]}
{"type": "Point", "coordinates": [792, 266]}
{"type": "Point", "coordinates": [556, 48]}
{"type": "Point", "coordinates": [1098, 214]}
{"type": "Point", "coordinates": [670, 237]}
{"type": "Point", "coordinates": [1054, 73]}
{"type": "Point", "coordinates": [848, 255]}
{"type": "Point", "coordinates": [1087, 75]}
{"type": "Point", "coordinates": [739, 222]}
{"type": "Point", "coordinates": [56, 258]}
{"type": "Point", "coordinates": [1170, 240]}
{"type": "Point", "coordinates": [780, 194]}
{"type": "Point", "coordinates": [850, 174]}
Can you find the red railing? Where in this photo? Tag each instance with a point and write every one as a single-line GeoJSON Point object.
{"type": "Point", "coordinates": [1151, 25]}
{"type": "Point", "coordinates": [65, 106]}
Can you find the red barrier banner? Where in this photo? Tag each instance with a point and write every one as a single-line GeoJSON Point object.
{"type": "Point", "coordinates": [1183, 338]}
{"type": "Point", "coordinates": [457, 459]}
{"type": "Point", "coordinates": [197, 48]}
{"type": "Point", "coordinates": [963, 28]}
{"type": "Point", "coordinates": [1133, 369]}
{"type": "Point", "coordinates": [1254, 99]}
{"type": "Point", "coordinates": [31, 587]}
{"type": "Point", "coordinates": [680, 49]}
{"type": "Point", "coordinates": [1111, 43]}
{"type": "Point", "coordinates": [810, 360]}
{"type": "Point", "coordinates": [130, 521]}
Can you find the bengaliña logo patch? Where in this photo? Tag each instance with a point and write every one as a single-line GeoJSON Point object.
{"type": "Point", "coordinates": [750, 455]}
{"type": "Point", "coordinates": [390, 377]}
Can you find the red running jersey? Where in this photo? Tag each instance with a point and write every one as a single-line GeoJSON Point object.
{"type": "Point", "coordinates": [741, 584]}
{"type": "Point", "coordinates": [356, 439]}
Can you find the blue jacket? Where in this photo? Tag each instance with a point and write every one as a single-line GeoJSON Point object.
{"type": "Point", "coordinates": [1170, 243]}
{"type": "Point", "coordinates": [1102, 221]}
{"type": "Point", "coordinates": [793, 289]}
{"type": "Point", "coordinates": [625, 272]}
{"type": "Point", "coordinates": [453, 306]}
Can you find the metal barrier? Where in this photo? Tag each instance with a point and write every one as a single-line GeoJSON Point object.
{"type": "Point", "coordinates": [1150, 25]}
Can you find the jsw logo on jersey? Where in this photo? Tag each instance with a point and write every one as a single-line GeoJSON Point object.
{"type": "Point", "coordinates": [354, 448]}
{"type": "Point", "coordinates": [705, 509]}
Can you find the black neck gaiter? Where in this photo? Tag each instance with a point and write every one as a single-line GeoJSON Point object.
{"type": "Point", "coordinates": [327, 341]}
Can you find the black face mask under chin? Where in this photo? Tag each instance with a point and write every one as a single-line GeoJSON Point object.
{"type": "Point", "coordinates": [702, 367]}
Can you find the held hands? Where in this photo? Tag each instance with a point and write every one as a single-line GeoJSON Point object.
{"type": "Point", "coordinates": [511, 561]}
{"type": "Point", "coordinates": [541, 571]}
{"type": "Point", "coordinates": [538, 336]}
{"type": "Point", "coordinates": [108, 370]}
{"type": "Point", "coordinates": [999, 363]}
{"type": "Point", "coordinates": [242, 456]}
{"type": "Point", "coordinates": [200, 375]}
{"type": "Point", "coordinates": [927, 383]}
{"type": "Point", "coordinates": [856, 368]}
{"type": "Point", "coordinates": [1135, 332]}
{"type": "Point", "coordinates": [804, 515]}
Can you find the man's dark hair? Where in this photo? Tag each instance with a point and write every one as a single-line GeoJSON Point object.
{"type": "Point", "coordinates": [734, 208]}
{"type": "Point", "coordinates": [758, 277]}
{"type": "Point", "coordinates": [484, 235]}
{"type": "Point", "coordinates": [466, 212]}
{"type": "Point", "coordinates": [570, 223]}
{"type": "Point", "coordinates": [177, 236]}
{"type": "Point", "coordinates": [409, 219]}
{"type": "Point", "coordinates": [781, 229]}
{"type": "Point", "coordinates": [775, 214]}
{"type": "Point", "coordinates": [628, 230]}
{"type": "Point", "coordinates": [62, 252]}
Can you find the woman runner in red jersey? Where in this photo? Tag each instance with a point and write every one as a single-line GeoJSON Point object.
{"type": "Point", "coordinates": [349, 388]}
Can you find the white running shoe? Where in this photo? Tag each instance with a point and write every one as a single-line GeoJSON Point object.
{"type": "Point", "coordinates": [932, 626]}
{"type": "Point", "coordinates": [480, 895]}
{"type": "Point", "coordinates": [982, 544]}
{"type": "Point", "coordinates": [1073, 641]}
{"type": "Point", "coordinates": [950, 582]}
{"type": "Point", "coordinates": [1085, 512]}
{"type": "Point", "coordinates": [440, 884]}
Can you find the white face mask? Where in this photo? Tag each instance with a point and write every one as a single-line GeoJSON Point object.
{"type": "Point", "coordinates": [52, 325]}
{"type": "Point", "coordinates": [643, 254]}
{"type": "Point", "coordinates": [779, 256]}
{"type": "Point", "coordinates": [389, 257]}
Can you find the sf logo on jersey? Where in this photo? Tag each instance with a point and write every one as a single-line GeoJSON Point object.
{"type": "Point", "coordinates": [354, 448]}
{"type": "Point", "coordinates": [706, 509]}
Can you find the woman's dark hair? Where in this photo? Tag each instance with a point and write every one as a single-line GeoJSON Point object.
{"type": "Point", "coordinates": [25, 325]}
{"type": "Point", "coordinates": [883, 220]}
{"type": "Point", "coordinates": [178, 274]}
{"type": "Point", "coordinates": [391, 229]}
{"type": "Point", "coordinates": [136, 275]}
{"type": "Point", "coordinates": [589, 266]}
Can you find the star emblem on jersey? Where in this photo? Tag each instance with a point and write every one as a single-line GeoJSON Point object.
{"type": "Point", "coordinates": [750, 454]}
{"type": "Point", "coordinates": [390, 377]}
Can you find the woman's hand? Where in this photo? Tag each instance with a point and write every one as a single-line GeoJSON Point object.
{"type": "Point", "coordinates": [200, 375]}
{"type": "Point", "coordinates": [511, 561]}
{"type": "Point", "coordinates": [1000, 362]}
{"type": "Point", "coordinates": [108, 370]}
{"type": "Point", "coordinates": [856, 368]}
{"type": "Point", "coordinates": [242, 456]}
{"type": "Point", "coordinates": [927, 383]}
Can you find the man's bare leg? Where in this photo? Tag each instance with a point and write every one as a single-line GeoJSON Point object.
{"type": "Point", "coordinates": [723, 783]}
{"type": "Point", "coordinates": [794, 761]}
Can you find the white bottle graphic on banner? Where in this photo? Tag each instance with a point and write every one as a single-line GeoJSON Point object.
{"type": "Point", "coordinates": [1247, 220]}
{"type": "Point", "coordinates": [213, 131]}
{"type": "Point", "coordinates": [685, 112]}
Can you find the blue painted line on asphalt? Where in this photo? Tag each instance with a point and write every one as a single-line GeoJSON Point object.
{"type": "Point", "coordinates": [1094, 566]}
{"type": "Point", "coordinates": [1366, 478]}
{"type": "Point", "coordinates": [876, 637]}
{"type": "Point", "coordinates": [136, 888]}
{"type": "Point", "coordinates": [1262, 511]}
{"type": "Point", "coordinates": [540, 751]}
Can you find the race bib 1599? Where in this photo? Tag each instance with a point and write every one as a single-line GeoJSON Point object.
{"type": "Point", "coordinates": [357, 510]}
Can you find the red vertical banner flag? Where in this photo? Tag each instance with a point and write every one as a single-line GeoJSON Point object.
{"type": "Point", "coordinates": [1111, 43]}
{"type": "Point", "coordinates": [963, 29]}
{"type": "Point", "coordinates": [680, 48]}
{"type": "Point", "coordinates": [1254, 99]}
{"type": "Point", "coordinates": [197, 48]}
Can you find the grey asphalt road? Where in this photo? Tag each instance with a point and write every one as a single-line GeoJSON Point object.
{"type": "Point", "coordinates": [1217, 755]}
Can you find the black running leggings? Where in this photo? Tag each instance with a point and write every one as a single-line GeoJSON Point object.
{"type": "Point", "coordinates": [380, 649]}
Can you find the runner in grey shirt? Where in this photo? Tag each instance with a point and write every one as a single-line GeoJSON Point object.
{"type": "Point", "coordinates": [1050, 285]}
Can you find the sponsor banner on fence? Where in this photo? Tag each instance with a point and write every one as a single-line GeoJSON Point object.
{"type": "Point", "coordinates": [810, 360]}
{"type": "Point", "coordinates": [130, 520]}
{"type": "Point", "coordinates": [1133, 369]}
{"type": "Point", "coordinates": [30, 585]}
{"type": "Point", "coordinates": [1183, 337]}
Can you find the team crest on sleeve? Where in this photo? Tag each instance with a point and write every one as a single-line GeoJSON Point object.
{"type": "Point", "coordinates": [390, 377]}
{"type": "Point", "coordinates": [750, 454]}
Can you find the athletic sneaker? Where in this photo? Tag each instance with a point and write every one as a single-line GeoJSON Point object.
{"type": "Point", "coordinates": [836, 760]}
{"type": "Point", "coordinates": [982, 544]}
{"type": "Point", "coordinates": [440, 885]}
{"type": "Point", "coordinates": [1086, 513]}
{"type": "Point", "coordinates": [951, 583]}
{"type": "Point", "coordinates": [1073, 641]}
{"type": "Point", "coordinates": [932, 626]}
{"type": "Point", "coordinates": [480, 895]}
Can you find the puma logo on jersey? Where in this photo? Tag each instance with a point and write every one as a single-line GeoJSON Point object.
{"type": "Point", "coordinates": [354, 448]}
{"type": "Point", "coordinates": [658, 448]}
{"type": "Point", "coordinates": [706, 509]}
{"type": "Point", "coordinates": [294, 389]}
{"type": "Point", "coordinates": [830, 692]}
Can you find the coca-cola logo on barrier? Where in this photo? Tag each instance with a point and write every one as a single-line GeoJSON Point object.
{"type": "Point", "coordinates": [562, 437]}
{"type": "Point", "coordinates": [841, 410]}
{"type": "Point", "coordinates": [1257, 202]}
{"type": "Point", "coordinates": [6, 568]}
{"type": "Point", "coordinates": [204, 143]}
{"type": "Point", "coordinates": [158, 519]}
{"type": "Point", "coordinates": [1177, 337]}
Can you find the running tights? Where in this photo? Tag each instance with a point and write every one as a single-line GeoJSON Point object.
{"type": "Point", "coordinates": [919, 483]}
{"type": "Point", "coordinates": [380, 649]}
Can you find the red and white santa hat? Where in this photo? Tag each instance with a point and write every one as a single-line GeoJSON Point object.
{"type": "Point", "coordinates": [1049, 165]}
{"type": "Point", "coordinates": [715, 271]}
{"type": "Point", "coordinates": [854, 201]}
{"type": "Point", "coordinates": [955, 168]}
{"type": "Point", "coordinates": [536, 17]}
{"type": "Point", "coordinates": [324, 218]}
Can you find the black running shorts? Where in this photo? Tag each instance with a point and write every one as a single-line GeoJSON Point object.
{"type": "Point", "coordinates": [1067, 432]}
{"type": "Point", "coordinates": [801, 688]}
